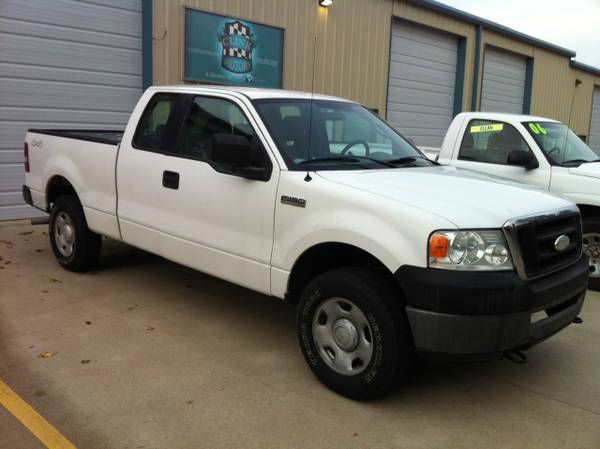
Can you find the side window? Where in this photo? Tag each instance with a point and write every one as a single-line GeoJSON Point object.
{"type": "Point", "coordinates": [490, 142]}
{"type": "Point", "coordinates": [207, 117]}
{"type": "Point", "coordinates": [153, 123]}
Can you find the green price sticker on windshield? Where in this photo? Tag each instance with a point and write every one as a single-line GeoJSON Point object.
{"type": "Point", "coordinates": [536, 128]}
{"type": "Point", "coordinates": [492, 128]}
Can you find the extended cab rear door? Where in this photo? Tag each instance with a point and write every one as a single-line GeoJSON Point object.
{"type": "Point", "coordinates": [204, 216]}
{"type": "Point", "coordinates": [485, 146]}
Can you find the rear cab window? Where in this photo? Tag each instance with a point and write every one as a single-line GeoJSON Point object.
{"type": "Point", "coordinates": [490, 142]}
{"type": "Point", "coordinates": [152, 127]}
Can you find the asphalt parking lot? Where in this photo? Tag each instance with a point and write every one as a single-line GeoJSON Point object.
{"type": "Point", "coordinates": [145, 353]}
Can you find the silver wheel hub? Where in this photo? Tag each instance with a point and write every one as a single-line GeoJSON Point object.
{"type": "Point", "coordinates": [591, 248]}
{"type": "Point", "coordinates": [64, 234]}
{"type": "Point", "coordinates": [343, 336]}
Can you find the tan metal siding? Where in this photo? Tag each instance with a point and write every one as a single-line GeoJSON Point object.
{"type": "Point", "coordinates": [352, 42]}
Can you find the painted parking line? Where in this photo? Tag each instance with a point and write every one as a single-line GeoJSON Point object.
{"type": "Point", "coordinates": [42, 429]}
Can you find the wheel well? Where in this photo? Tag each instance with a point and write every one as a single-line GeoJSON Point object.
{"type": "Point", "coordinates": [57, 187]}
{"type": "Point", "coordinates": [326, 257]}
{"type": "Point", "coordinates": [589, 211]}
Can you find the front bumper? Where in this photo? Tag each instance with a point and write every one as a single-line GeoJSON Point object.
{"type": "Point", "coordinates": [485, 313]}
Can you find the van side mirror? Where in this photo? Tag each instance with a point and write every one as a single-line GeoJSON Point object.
{"type": "Point", "coordinates": [235, 155]}
{"type": "Point", "coordinates": [523, 159]}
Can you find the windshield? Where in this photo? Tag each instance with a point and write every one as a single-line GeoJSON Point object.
{"type": "Point", "coordinates": [335, 135]}
{"type": "Point", "coordinates": [560, 144]}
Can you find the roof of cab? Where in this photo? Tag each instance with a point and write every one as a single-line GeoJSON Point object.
{"type": "Point", "coordinates": [506, 117]}
{"type": "Point", "coordinates": [253, 93]}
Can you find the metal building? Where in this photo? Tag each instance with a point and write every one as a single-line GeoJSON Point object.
{"type": "Point", "coordinates": [83, 63]}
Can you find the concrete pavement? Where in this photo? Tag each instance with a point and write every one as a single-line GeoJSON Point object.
{"type": "Point", "coordinates": [145, 353]}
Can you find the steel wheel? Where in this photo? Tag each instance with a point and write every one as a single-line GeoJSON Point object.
{"type": "Point", "coordinates": [64, 234]}
{"type": "Point", "coordinates": [591, 248]}
{"type": "Point", "coordinates": [343, 336]}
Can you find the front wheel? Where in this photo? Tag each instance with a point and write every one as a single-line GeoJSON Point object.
{"type": "Point", "coordinates": [75, 247]}
{"type": "Point", "coordinates": [591, 248]}
{"type": "Point", "coordinates": [354, 334]}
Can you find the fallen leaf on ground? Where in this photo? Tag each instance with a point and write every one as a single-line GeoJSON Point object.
{"type": "Point", "coordinates": [132, 307]}
{"type": "Point", "coordinates": [55, 281]}
{"type": "Point", "coordinates": [189, 402]}
{"type": "Point", "coordinates": [149, 328]}
{"type": "Point", "coordinates": [85, 361]}
{"type": "Point", "coordinates": [88, 322]}
{"type": "Point", "coordinates": [40, 393]}
{"type": "Point", "coordinates": [46, 355]}
{"type": "Point", "coordinates": [26, 233]}
{"type": "Point", "coordinates": [39, 250]}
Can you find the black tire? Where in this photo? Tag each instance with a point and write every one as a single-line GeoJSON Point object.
{"type": "Point", "coordinates": [592, 225]}
{"type": "Point", "coordinates": [86, 244]}
{"type": "Point", "coordinates": [377, 297]}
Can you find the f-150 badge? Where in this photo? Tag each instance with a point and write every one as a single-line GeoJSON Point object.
{"type": "Point", "coordinates": [293, 201]}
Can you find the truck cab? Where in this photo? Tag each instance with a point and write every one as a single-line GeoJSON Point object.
{"type": "Point", "coordinates": [536, 151]}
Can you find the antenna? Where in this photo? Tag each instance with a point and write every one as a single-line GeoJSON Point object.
{"type": "Point", "coordinates": [307, 178]}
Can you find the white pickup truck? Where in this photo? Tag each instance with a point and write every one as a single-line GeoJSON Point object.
{"type": "Point", "coordinates": [316, 200]}
{"type": "Point", "coordinates": [532, 150]}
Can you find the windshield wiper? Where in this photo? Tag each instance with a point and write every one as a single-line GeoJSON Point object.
{"type": "Point", "coordinates": [329, 159]}
{"type": "Point", "coordinates": [579, 161]}
{"type": "Point", "coordinates": [408, 160]}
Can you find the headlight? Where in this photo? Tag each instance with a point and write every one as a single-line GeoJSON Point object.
{"type": "Point", "coordinates": [469, 250]}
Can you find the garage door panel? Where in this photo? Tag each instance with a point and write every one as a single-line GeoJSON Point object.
{"type": "Point", "coordinates": [130, 5]}
{"type": "Point", "coordinates": [74, 14]}
{"type": "Point", "coordinates": [63, 64]}
{"type": "Point", "coordinates": [421, 98]}
{"type": "Point", "coordinates": [423, 35]}
{"type": "Point", "coordinates": [417, 109]}
{"type": "Point", "coordinates": [32, 50]}
{"type": "Point", "coordinates": [56, 33]}
{"type": "Point", "coordinates": [424, 74]}
{"type": "Point", "coordinates": [44, 73]}
{"type": "Point", "coordinates": [425, 52]}
{"type": "Point", "coordinates": [400, 83]}
{"type": "Point", "coordinates": [65, 95]}
{"type": "Point", "coordinates": [595, 121]}
{"type": "Point", "coordinates": [413, 119]}
{"type": "Point", "coordinates": [14, 212]}
{"type": "Point", "coordinates": [11, 156]}
{"type": "Point", "coordinates": [503, 85]}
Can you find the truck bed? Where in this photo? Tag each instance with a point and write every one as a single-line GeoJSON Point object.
{"type": "Point", "coordinates": [111, 137]}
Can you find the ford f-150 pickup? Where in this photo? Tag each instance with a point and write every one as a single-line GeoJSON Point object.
{"type": "Point", "coordinates": [532, 150]}
{"type": "Point", "coordinates": [316, 200]}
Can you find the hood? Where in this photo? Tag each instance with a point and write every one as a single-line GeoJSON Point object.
{"type": "Point", "coordinates": [466, 198]}
{"type": "Point", "coordinates": [591, 170]}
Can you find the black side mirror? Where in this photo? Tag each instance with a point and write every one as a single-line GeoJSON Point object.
{"type": "Point", "coordinates": [236, 155]}
{"type": "Point", "coordinates": [523, 159]}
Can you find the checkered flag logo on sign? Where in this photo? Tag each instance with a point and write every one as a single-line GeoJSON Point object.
{"type": "Point", "coordinates": [238, 42]}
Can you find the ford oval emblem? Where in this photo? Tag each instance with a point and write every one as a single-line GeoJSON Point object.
{"type": "Point", "coordinates": [562, 242]}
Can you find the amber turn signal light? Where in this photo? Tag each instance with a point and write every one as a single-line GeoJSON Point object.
{"type": "Point", "coordinates": [438, 246]}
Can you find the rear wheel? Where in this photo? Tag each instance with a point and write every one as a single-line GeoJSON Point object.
{"type": "Point", "coordinates": [354, 333]}
{"type": "Point", "coordinates": [75, 247]}
{"type": "Point", "coordinates": [591, 248]}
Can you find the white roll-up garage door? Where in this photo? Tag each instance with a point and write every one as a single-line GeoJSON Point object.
{"type": "Point", "coordinates": [63, 64]}
{"type": "Point", "coordinates": [594, 139]}
{"type": "Point", "coordinates": [421, 82]}
{"type": "Point", "coordinates": [503, 86]}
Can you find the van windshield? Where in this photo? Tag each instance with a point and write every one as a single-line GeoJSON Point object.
{"type": "Point", "coordinates": [335, 135]}
{"type": "Point", "coordinates": [560, 144]}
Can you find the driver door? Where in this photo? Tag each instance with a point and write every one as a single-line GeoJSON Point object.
{"type": "Point", "coordinates": [485, 148]}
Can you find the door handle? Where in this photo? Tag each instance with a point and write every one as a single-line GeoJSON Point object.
{"type": "Point", "coordinates": [170, 180]}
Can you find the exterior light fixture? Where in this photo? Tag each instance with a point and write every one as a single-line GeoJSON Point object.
{"type": "Point", "coordinates": [325, 3]}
